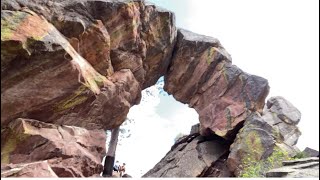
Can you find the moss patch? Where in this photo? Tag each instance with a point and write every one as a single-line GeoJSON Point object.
{"type": "Point", "coordinates": [210, 56]}
{"type": "Point", "coordinates": [10, 145]}
{"type": "Point", "coordinates": [75, 99]}
{"type": "Point", "coordinates": [254, 168]}
{"type": "Point", "coordinates": [9, 24]}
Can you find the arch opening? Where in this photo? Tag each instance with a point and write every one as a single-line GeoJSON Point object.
{"type": "Point", "coordinates": [151, 129]}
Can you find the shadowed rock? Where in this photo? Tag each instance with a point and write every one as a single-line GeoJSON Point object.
{"type": "Point", "coordinates": [190, 156]}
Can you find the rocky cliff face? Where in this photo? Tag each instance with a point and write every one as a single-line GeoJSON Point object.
{"type": "Point", "coordinates": [259, 146]}
{"type": "Point", "coordinates": [74, 68]}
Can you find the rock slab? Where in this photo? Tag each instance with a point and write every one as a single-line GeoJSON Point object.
{"type": "Point", "coordinates": [69, 151]}
{"type": "Point", "coordinates": [300, 168]}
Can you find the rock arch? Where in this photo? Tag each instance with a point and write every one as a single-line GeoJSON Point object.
{"type": "Point", "coordinates": [132, 44]}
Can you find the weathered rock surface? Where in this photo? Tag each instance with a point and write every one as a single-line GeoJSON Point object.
{"type": "Point", "coordinates": [38, 81]}
{"type": "Point", "coordinates": [69, 151]}
{"type": "Point", "coordinates": [310, 152]}
{"type": "Point", "coordinates": [201, 75]}
{"type": "Point", "coordinates": [141, 35]}
{"type": "Point", "coordinates": [261, 134]}
{"type": "Point", "coordinates": [283, 117]}
{"type": "Point", "coordinates": [190, 156]}
{"type": "Point", "coordinates": [126, 35]}
{"type": "Point", "coordinates": [84, 63]}
{"type": "Point", "coordinates": [218, 169]}
{"type": "Point", "coordinates": [28, 170]}
{"type": "Point", "coordinates": [254, 142]}
{"type": "Point", "coordinates": [301, 168]}
{"type": "Point", "coordinates": [284, 110]}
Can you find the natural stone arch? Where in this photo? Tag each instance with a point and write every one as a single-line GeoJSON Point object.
{"type": "Point", "coordinates": [136, 44]}
{"type": "Point", "coordinates": [201, 74]}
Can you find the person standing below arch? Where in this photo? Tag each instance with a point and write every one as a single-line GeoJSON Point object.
{"type": "Point", "coordinates": [122, 169]}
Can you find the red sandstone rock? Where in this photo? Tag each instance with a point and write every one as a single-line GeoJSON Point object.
{"type": "Point", "coordinates": [201, 75]}
{"type": "Point", "coordinates": [142, 36]}
{"type": "Point", "coordinates": [70, 151]}
{"type": "Point", "coordinates": [40, 81]}
{"type": "Point", "coordinates": [28, 170]}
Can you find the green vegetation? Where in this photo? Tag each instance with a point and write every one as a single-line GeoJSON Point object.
{"type": "Point", "coordinates": [78, 97]}
{"type": "Point", "coordinates": [10, 24]}
{"type": "Point", "coordinates": [210, 57]}
{"type": "Point", "coordinates": [14, 138]}
{"type": "Point", "coordinates": [253, 168]}
{"type": "Point", "coordinates": [300, 155]}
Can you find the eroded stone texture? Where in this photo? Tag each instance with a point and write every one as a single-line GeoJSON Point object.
{"type": "Point", "coordinates": [142, 36]}
{"type": "Point", "coordinates": [259, 136]}
{"type": "Point", "coordinates": [190, 156]}
{"type": "Point", "coordinates": [28, 170]}
{"type": "Point", "coordinates": [283, 117]}
{"type": "Point", "coordinates": [40, 81]}
{"type": "Point", "coordinates": [284, 110]}
{"type": "Point", "coordinates": [84, 63]}
{"type": "Point", "coordinates": [201, 75]}
{"type": "Point", "coordinates": [253, 143]}
{"type": "Point", "coordinates": [70, 151]}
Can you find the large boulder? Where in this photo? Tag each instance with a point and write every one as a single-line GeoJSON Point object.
{"type": "Point", "coordinates": [284, 110]}
{"type": "Point", "coordinates": [142, 35]}
{"type": "Point", "coordinates": [44, 78]}
{"type": "Point", "coordinates": [266, 138]}
{"type": "Point", "coordinates": [253, 143]}
{"type": "Point", "coordinates": [283, 117]}
{"type": "Point", "coordinates": [201, 75]}
{"type": "Point", "coordinates": [69, 151]}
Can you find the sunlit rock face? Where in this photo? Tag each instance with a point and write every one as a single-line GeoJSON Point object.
{"type": "Point", "coordinates": [201, 74]}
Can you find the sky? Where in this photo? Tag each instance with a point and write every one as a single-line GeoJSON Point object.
{"type": "Point", "coordinates": [275, 39]}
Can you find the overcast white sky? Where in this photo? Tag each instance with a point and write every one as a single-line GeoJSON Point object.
{"type": "Point", "coordinates": [275, 39]}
